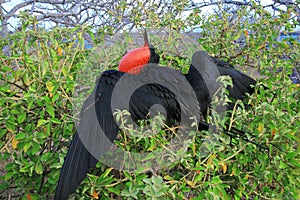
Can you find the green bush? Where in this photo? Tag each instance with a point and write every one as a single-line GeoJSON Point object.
{"type": "Point", "coordinates": [39, 76]}
{"type": "Point", "coordinates": [37, 80]}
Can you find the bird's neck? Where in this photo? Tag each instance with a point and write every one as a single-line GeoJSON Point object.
{"type": "Point", "coordinates": [136, 70]}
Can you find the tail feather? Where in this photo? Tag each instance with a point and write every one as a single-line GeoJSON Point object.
{"type": "Point", "coordinates": [234, 133]}
{"type": "Point", "coordinates": [77, 163]}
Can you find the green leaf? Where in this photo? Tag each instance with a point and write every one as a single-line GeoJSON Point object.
{"type": "Point", "coordinates": [56, 166]}
{"type": "Point", "coordinates": [55, 120]}
{"type": "Point", "coordinates": [50, 86]}
{"type": "Point", "coordinates": [8, 176]}
{"type": "Point", "coordinates": [107, 171]}
{"type": "Point", "coordinates": [41, 122]}
{"type": "Point", "coordinates": [46, 156]}
{"type": "Point", "coordinates": [35, 148]}
{"type": "Point", "coordinates": [55, 97]}
{"type": "Point", "coordinates": [216, 180]}
{"type": "Point", "coordinates": [282, 165]}
{"type": "Point", "coordinates": [50, 111]}
{"type": "Point", "coordinates": [291, 155]}
{"type": "Point", "coordinates": [114, 190]}
{"type": "Point", "coordinates": [168, 178]}
{"type": "Point", "coordinates": [157, 180]}
{"type": "Point", "coordinates": [21, 118]}
{"type": "Point", "coordinates": [38, 168]}
{"type": "Point", "coordinates": [65, 71]}
{"type": "Point", "coordinates": [10, 127]}
{"type": "Point", "coordinates": [295, 162]}
{"type": "Point", "coordinates": [20, 136]}
{"type": "Point", "coordinates": [26, 79]}
{"type": "Point", "coordinates": [26, 146]}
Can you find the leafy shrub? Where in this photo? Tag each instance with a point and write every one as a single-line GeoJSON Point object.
{"type": "Point", "coordinates": [37, 80]}
{"type": "Point", "coordinates": [39, 77]}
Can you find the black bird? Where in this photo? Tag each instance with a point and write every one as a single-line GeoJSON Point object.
{"type": "Point", "coordinates": [97, 122]}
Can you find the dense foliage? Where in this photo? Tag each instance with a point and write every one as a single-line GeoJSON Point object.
{"type": "Point", "coordinates": [40, 71]}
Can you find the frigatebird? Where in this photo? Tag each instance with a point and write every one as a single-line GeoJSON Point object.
{"type": "Point", "coordinates": [97, 122]}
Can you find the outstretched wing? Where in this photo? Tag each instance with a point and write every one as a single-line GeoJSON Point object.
{"type": "Point", "coordinates": [202, 75]}
{"type": "Point", "coordinates": [242, 83]}
{"type": "Point", "coordinates": [96, 124]}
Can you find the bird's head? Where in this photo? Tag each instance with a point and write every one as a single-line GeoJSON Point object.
{"type": "Point", "coordinates": [134, 60]}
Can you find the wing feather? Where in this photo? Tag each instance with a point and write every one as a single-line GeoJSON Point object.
{"type": "Point", "coordinates": [93, 117]}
